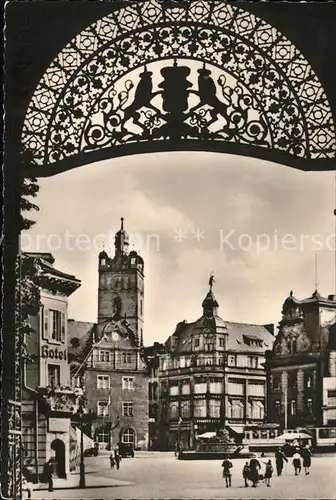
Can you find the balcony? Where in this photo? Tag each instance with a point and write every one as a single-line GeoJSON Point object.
{"type": "Point", "coordinates": [59, 401]}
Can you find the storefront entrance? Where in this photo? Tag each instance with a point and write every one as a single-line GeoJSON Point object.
{"type": "Point", "coordinates": [59, 448]}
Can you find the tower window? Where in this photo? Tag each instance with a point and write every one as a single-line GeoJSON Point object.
{"type": "Point", "coordinates": [103, 262]}
{"type": "Point", "coordinates": [141, 307]}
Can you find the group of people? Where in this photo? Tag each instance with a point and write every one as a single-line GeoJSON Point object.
{"type": "Point", "coordinates": [251, 470]}
{"type": "Point", "coordinates": [115, 459]}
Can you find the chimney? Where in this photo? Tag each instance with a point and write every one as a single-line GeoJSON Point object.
{"type": "Point", "coordinates": [270, 328]}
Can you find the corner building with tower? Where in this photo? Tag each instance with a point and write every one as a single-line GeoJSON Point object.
{"type": "Point", "coordinates": [115, 376]}
{"type": "Point", "coordinates": [212, 376]}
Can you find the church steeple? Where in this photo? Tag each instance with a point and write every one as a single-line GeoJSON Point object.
{"type": "Point", "coordinates": [121, 241]}
{"type": "Point", "coordinates": [210, 304]}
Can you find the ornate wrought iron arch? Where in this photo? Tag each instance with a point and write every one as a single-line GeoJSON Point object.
{"type": "Point", "coordinates": [76, 115]}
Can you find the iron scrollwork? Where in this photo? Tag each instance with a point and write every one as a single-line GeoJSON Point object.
{"type": "Point", "coordinates": [270, 76]}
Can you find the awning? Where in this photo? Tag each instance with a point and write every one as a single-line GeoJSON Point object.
{"type": "Point", "coordinates": [75, 437]}
{"type": "Point", "coordinates": [238, 429]}
{"type": "Point", "coordinates": [207, 435]}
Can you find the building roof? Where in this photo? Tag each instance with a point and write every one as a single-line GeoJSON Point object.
{"type": "Point", "coordinates": [236, 334]}
{"type": "Point", "coordinates": [240, 337]}
{"type": "Point", "coordinates": [50, 278]}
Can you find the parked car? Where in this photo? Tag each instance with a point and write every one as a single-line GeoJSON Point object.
{"type": "Point", "coordinates": [91, 452]}
{"type": "Point", "coordinates": [126, 450]}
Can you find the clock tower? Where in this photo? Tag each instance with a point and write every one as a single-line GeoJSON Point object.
{"type": "Point", "coordinates": [121, 284]}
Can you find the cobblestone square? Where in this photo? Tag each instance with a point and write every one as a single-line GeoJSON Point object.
{"type": "Point", "coordinates": [161, 475]}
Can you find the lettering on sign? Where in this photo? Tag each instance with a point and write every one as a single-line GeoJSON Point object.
{"type": "Point", "coordinates": [53, 353]}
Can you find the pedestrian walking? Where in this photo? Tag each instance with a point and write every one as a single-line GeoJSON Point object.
{"type": "Point", "coordinates": [268, 473]}
{"type": "Point", "coordinates": [176, 448]}
{"type": "Point", "coordinates": [254, 468]}
{"type": "Point", "coordinates": [306, 457]}
{"type": "Point", "coordinates": [112, 461]}
{"type": "Point", "coordinates": [227, 466]}
{"type": "Point", "coordinates": [48, 472]}
{"type": "Point", "coordinates": [297, 463]}
{"type": "Point", "coordinates": [246, 473]}
{"type": "Point", "coordinates": [280, 458]}
{"type": "Point", "coordinates": [117, 459]}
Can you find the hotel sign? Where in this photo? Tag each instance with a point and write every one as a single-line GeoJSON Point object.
{"type": "Point", "coordinates": [58, 425]}
{"type": "Point", "coordinates": [53, 353]}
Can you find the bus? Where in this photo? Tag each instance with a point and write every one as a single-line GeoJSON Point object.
{"type": "Point", "coordinates": [261, 437]}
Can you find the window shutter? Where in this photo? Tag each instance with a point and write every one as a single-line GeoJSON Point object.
{"type": "Point", "coordinates": [62, 327]}
{"type": "Point", "coordinates": [46, 324]}
{"type": "Point", "coordinates": [42, 322]}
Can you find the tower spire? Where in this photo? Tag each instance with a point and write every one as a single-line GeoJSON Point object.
{"type": "Point", "coordinates": [121, 242]}
{"type": "Point", "coordinates": [210, 304]}
{"type": "Point", "coordinates": [211, 280]}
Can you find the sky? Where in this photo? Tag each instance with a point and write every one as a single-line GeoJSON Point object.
{"type": "Point", "coordinates": [260, 227]}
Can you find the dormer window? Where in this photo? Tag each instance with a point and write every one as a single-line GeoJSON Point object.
{"type": "Point", "coordinates": [133, 261]}
{"type": "Point", "coordinates": [103, 262]}
{"type": "Point", "coordinates": [252, 341]}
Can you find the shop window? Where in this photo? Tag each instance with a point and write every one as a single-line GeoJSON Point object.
{"type": "Point", "coordinates": [173, 409]}
{"type": "Point", "coordinates": [214, 408]}
{"type": "Point", "coordinates": [200, 409]}
{"type": "Point", "coordinates": [185, 409]}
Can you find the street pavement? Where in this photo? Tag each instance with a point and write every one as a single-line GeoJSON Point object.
{"type": "Point", "coordinates": [161, 475]}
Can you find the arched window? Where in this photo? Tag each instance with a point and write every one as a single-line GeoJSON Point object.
{"type": "Point", "coordinates": [128, 435]}
{"type": "Point", "coordinates": [173, 409]}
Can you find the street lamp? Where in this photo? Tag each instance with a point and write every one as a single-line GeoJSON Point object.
{"type": "Point", "coordinates": [82, 416]}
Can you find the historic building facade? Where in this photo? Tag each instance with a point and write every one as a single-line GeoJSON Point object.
{"type": "Point", "coordinates": [212, 376]}
{"type": "Point", "coordinates": [107, 355]}
{"type": "Point", "coordinates": [151, 356]}
{"type": "Point", "coordinates": [301, 366]}
{"type": "Point", "coordinates": [48, 400]}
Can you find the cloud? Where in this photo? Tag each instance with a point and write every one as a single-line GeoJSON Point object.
{"type": "Point", "coordinates": [162, 193]}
